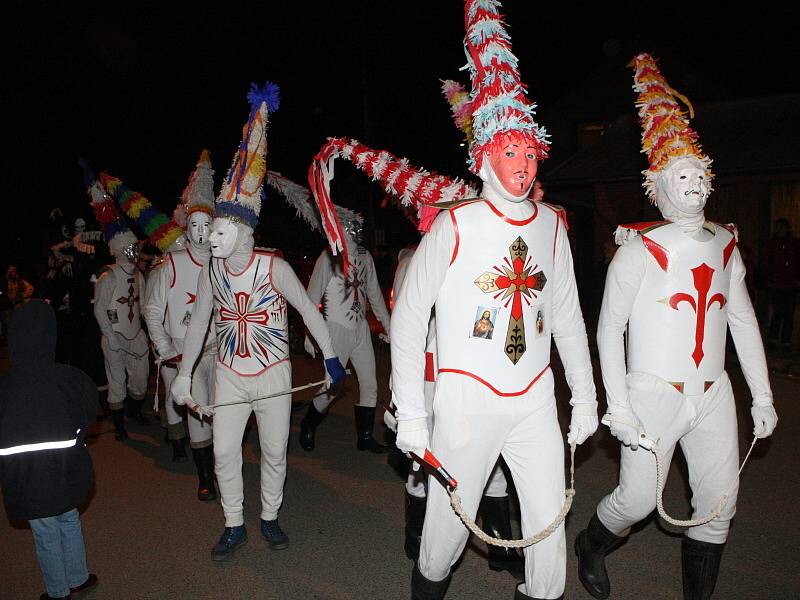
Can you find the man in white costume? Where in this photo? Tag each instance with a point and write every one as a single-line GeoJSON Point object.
{"type": "Point", "coordinates": [344, 303]}
{"type": "Point", "coordinates": [495, 506]}
{"type": "Point", "coordinates": [247, 291]}
{"type": "Point", "coordinates": [171, 298]}
{"type": "Point", "coordinates": [676, 285]}
{"type": "Point", "coordinates": [117, 304]}
{"type": "Point", "coordinates": [509, 257]}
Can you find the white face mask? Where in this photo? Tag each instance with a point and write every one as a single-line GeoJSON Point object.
{"type": "Point", "coordinates": [80, 226]}
{"type": "Point", "coordinates": [223, 237]}
{"type": "Point", "coordinates": [682, 190]}
{"type": "Point", "coordinates": [198, 229]}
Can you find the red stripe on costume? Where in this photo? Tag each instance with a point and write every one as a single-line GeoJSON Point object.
{"type": "Point", "coordinates": [458, 239]}
{"type": "Point", "coordinates": [658, 251]}
{"type": "Point", "coordinates": [491, 387]}
{"type": "Point", "coordinates": [510, 221]}
{"type": "Point", "coordinates": [430, 372]}
{"type": "Point", "coordinates": [726, 254]}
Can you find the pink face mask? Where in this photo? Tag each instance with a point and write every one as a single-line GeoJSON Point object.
{"type": "Point", "coordinates": [515, 166]}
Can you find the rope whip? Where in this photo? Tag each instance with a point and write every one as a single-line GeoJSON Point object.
{"type": "Point", "coordinates": [455, 502]}
{"type": "Point", "coordinates": [652, 445]}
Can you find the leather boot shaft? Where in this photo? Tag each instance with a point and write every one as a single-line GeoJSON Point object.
{"type": "Point", "coordinates": [700, 566]}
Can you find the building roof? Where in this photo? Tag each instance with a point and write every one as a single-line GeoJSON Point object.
{"type": "Point", "coordinates": [741, 136]}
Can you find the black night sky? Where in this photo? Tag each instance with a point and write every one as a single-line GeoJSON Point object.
{"type": "Point", "coordinates": [140, 88]}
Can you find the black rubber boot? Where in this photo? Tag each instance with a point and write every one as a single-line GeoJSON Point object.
{"type": "Point", "coordinates": [496, 522]}
{"type": "Point", "coordinates": [415, 519]}
{"type": "Point", "coordinates": [425, 589]}
{"type": "Point", "coordinates": [591, 547]}
{"type": "Point", "coordinates": [179, 450]}
{"type": "Point", "coordinates": [135, 411]}
{"type": "Point", "coordinates": [365, 424]}
{"type": "Point", "coordinates": [700, 566]}
{"type": "Point", "coordinates": [520, 595]}
{"type": "Point", "coordinates": [308, 427]}
{"type": "Point", "coordinates": [118, 417]}
{"type": "Point", "coordinates": [204, 461]}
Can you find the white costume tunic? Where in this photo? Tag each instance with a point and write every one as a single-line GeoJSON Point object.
{"type": "Point", "coordinates": [503, 283]}
{"type": "Point", "coordinates": [344, 304]}
{"type": "Point", "coordinates": [677, 296]}
{"type": "Point", "coordinates": [171, 296]}
{"type": "Point", "coordinates": [117, 299]}
{"type": "Point", "coordinates": [497, 487]}
{"type": "Point", "coordinates": [248, 293]}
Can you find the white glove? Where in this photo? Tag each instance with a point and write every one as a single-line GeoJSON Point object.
{"type": "Point", "coordinates": [181, 390]}
{"type": "Point", "coordinates": [113, 343]}
{"type": "Point", "coordinates": [390, 421]}
{"type": "Point", "coordinates": [384, 337]}
{"type": "Point", "coordinates": [167, 351]}
{"type": "Point", "coordinates": [764, 418]}
{"type": "Point", "coordinates": [308, 346]}
{"type": "Point", "coordinates": [413, 437]}
{"type": "Point", "coordinates": [580, 428]}
{"type": "Point", "coordinates": [625, 426]}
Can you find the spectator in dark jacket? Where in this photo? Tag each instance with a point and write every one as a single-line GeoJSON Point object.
{"type": "Point", "coordinates": [45, 469]}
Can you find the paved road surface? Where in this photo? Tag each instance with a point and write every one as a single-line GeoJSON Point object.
{"type": "Point", "coordinates": [149, 538]}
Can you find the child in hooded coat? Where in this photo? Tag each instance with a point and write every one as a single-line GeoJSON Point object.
{"type": "Point", "coordinates": [45, 469]}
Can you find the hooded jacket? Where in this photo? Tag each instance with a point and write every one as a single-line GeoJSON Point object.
{"type": "Point", "coordinates": [44, 406]}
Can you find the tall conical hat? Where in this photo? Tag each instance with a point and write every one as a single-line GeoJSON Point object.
{"type": "Point", "coordinates": [666, 134]}
{"type": "Point", "coordinates": [413, 186]}
{"type": "Point", "coordinates": [499, 103]}
{"type": "Point", "coordinates": [240, 196]}
{"type": "Point", "coordinates": [160, 230]}
{"type": "Point", "coordinates": [105, 211]}
{"type": "Point", "coordinates": [198, 195]}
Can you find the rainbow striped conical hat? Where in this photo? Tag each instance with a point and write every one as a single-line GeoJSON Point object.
{"type": "Point", "coordinates": [666, 134]}
{"type": "Point", "coordinates": [105, 211]}
{"type": "Point", "coordinates": [158, 227]}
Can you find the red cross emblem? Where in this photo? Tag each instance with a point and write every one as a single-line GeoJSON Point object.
{"type": "Point", "coordinates": [242, 316]}
{"type": "Point", "coordinates": [703, 275]}
{"type": "Point", "coordinates": [353, 283]}
{"type": "Point", "coordinates": [514, 281]}
{"type": "Point", "coordinates": [131, 299]}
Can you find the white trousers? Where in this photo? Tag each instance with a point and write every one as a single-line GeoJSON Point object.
{"type": "Point", "coordinates": [272, 417]}
{"type": "Point", "coordinates": [473, 427]}
{"type": "Point", "coordinates": [417, 482]}
{"type": "Point", "coordinates": [355, 346]}
{"type": "Point", "coordinates": [126, 369]}
{"type": "Point", "coordinates": [202, 394]}
{"type": "Point", "coordinates": [705, 426]}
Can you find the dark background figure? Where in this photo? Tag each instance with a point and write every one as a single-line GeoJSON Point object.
{"type": "Point", "coordinates": [780, 265]}
{"type": "Point", "coordinates": [46, 471]}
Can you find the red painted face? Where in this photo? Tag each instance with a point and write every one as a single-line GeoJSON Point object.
{"type": "Point", "coordinates": [515, 165]}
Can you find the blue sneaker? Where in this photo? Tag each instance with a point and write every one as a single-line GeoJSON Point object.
{"type": "Point", "coordinates": [273, 533]}
{"type": "Point", "coordinates": [232, 539]}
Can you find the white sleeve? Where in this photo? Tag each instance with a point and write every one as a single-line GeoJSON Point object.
{"type": "Point", "coordinates": [569, 330]}
{"type": "Point", "coordinates": [103, 290]}
{"type": "Point", "coordinates": [286, 283]}
{"type": "Point", "coordinates": [412, 310]}
{"type": "Point", "coordinates": [320, 278]}
{"type": "Point", "coordinates": [375, 296]}
{"type": "Point", "coordinates": [155, 308]}
{"type": "Point", "coordinates": [625, 275]}
{"type": "Point", "coordinates": [745, 333]}
{"type": "Point", "coordinates": [198, 324]}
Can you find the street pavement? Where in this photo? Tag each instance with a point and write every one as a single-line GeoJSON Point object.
{"type": "Point", "coordinates": [148, 537]}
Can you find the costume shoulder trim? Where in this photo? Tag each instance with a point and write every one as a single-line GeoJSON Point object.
{"type": "Point", "coordinates": [625, 233]}
{"type": "Point", "coordinates": [730, 227]}
{"type": "Point", "coordinates": [560, 211]}
{"type": "Point", "coordinates": [454, 204]}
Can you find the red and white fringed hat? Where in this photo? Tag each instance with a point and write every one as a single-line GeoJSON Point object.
{"type": "Point", "coordinates": [499, 103]}
{"type": "Point", "coordinates": [666, 134]}
{"type": "Point", "coordinates": [413, 186]}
